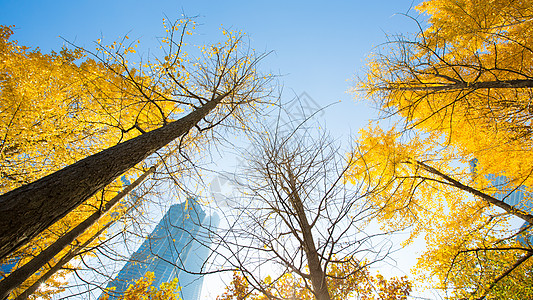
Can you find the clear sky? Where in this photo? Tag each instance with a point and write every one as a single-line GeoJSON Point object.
{"type": "Point", "coordinates": [319, 46]}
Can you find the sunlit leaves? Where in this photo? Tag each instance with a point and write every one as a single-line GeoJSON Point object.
{"type": "Point", "coordinates": [143, 289]}
{"type": "Point", "coordinates": [346, 280]}
{"type": "Point", "coordinates": [461, 89]}
{"type": "Point", "coordinates": [59, 108]}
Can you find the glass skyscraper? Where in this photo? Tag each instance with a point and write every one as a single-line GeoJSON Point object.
{"type": "Point", "coordinates": [179, 242]}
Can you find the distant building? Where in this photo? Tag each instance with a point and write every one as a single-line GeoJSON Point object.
{"type": "Point", "coordinates": [171, 248]}
{"type": "Point", "coordinates": [516, 196]}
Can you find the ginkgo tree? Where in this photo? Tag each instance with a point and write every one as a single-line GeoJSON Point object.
{"type": "Point", "coordinates": [143, 289]}
{"type": "Point", "coordinates": [460, 91]}
{"type": "Point", "coordinates": [51, 118]}
{"type": "Point", "coordinates": [295, 213]}
{"type": "Point", "coordinates": [90, 101]}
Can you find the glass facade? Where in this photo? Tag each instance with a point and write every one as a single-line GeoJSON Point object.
{"type": "Point", "coordinates": [179, 242]}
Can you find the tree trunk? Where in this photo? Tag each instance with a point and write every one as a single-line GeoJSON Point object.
{"type": "Point", "coordinates": [316, 273]}
{"type": "Point", "coordinates": [21, 274]}
{"type": "Point", "coordinates": [499, 84]}
{"type": "Point", "coordinates": [67, 257]}
{"type": "Point", "coordinates": [508, 208]}
{"type": "Point", "coordinates": [30, 209]}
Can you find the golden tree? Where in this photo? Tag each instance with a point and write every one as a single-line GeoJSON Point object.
{"type": "Point", "coordinates": [462, 91]}
{"type": "Point", "coordinates": [83, 105]}
{"type": "Point", "coordinates": [143, 289]}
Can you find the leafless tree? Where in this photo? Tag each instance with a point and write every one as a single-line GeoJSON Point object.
{"type": "Point", "coordinates": [296, 212]}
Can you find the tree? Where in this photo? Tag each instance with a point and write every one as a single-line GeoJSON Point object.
{"type": "Point", "coordinates": [296, 213]}
{"type": "Point", "coordinates": [56, 109]}
{"type": "Point", "coordinates": [221, 84]}
{"type": "Point", "coordinates": [470, 243]}
{"type": "Point", "coordinates": [461, 88]}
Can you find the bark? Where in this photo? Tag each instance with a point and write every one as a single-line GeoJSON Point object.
{"type": "Point", "coordinates": [499, 84]}
{"type": "Point", "coordinates": [317, 275]}
{"type": "Point", "coordinates": [64, 260]}
{"type": "Point", "coordinates": [21, 274]}
{"type": "Point", "coordinates": [68, 257]}
{"type": "Point", "coordinates": [28, 210]}
{"type": "Point", "coordinates": [508, 208]}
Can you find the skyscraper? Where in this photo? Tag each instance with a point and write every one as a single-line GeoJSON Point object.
{"type": "Point", "coordinates": [179, 243]}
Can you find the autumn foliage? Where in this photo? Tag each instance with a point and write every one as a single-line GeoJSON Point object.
{"type": "Point", "coordinates": [346, 281]}
{"type": "Point", "coordinates": [59, 108]}
{"type": "Point", "coordinates": [460, 92]}
{"type": "Point", "coordinates": [143, 289]}
{"type": "Point", "coordinates": [56, 109]}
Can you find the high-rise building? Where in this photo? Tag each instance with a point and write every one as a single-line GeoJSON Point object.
{"type": "Point", "coordinates": [179, 243]}
{"type": "Point", "coordinates": [516, 196]}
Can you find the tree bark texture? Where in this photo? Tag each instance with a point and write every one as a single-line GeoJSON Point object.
{"type": "Point", "coordinates": [74, 252]}
{"type": "Point", "coordinates": [30, 209]}
{"type": "Point", "coordinates": [316, 273]}
{"type": "Point", "coordinates": [500, 84]}
{"type": "Point", "coordinates": [21, 274]}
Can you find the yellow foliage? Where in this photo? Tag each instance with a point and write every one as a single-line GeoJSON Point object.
{"type": "Point", "coordinates": [405, 195]}
{"type": "Point", "coordinates": [462, 89]}
{"type": "Point", "coordinates": [142, 289]}
{"type": "Point", "coordinates": [345, 280]}
{"type": "Point", "coordinates": [58, 108]}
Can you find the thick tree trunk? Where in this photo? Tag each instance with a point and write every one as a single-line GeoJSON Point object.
{"type": "Point", "coordinates": [74, 252]}
{"type": "Point", "coordinates": [21, 274]}
{"type": "Point", "coordinates": [28, 210]}
{"type": "Point", "coordinates": [66, 258]}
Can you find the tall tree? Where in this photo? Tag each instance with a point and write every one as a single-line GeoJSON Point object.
{"type": "Point", "coordinates": [223, 83]}
{"type": "Point", "coordinates": [469, 236]}
{"type": "Point", "coordinates": [58, 108]}
{"type": "Point", "coordinates": [462, 90]}
{"type": "Point", "coordinates": [296, 212]}
{"type": "Point", "coordinates": [45, 257]}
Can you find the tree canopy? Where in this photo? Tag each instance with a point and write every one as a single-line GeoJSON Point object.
{"type": "Point", "coordinates": [359, 284]}
{"type": "Point", "coordinates": [459, 91]}
{"type": "Point", "coordinates": [74, 121]}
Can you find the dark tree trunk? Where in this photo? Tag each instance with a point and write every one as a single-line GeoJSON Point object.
{"type": "Point", "coordinates": [74, 252]}
{"type": "Point", "coordinates": [524, 215]}
{"type": "Point", "coordinates": [21, 274]}
{"type": "Point", "coordinates": [30, 209]}
{"type": "Point", "coordinates": [500, 84]}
